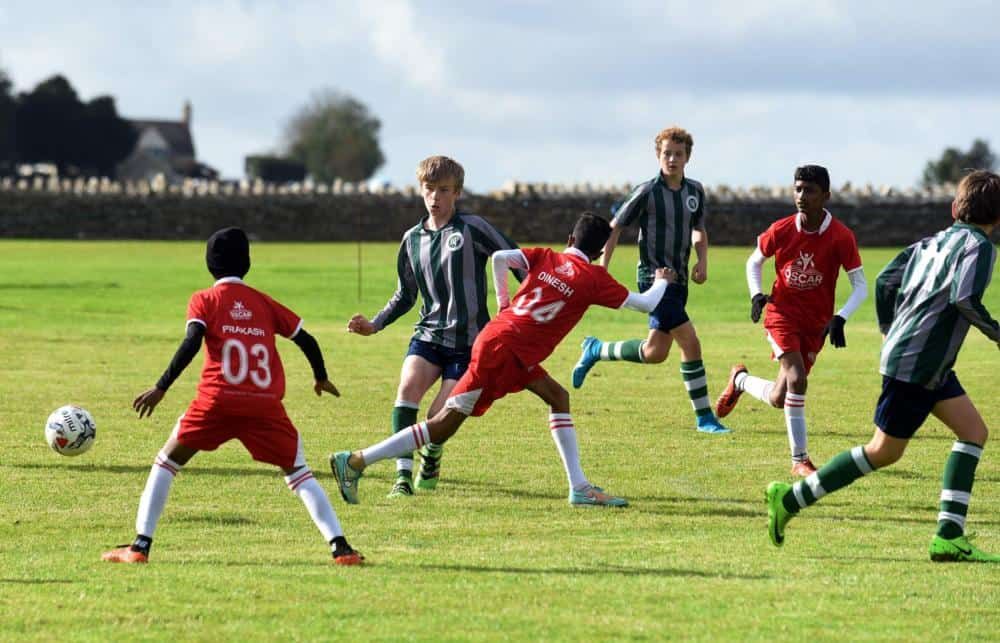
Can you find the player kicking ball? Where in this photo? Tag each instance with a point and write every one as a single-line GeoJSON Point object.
{"type": "Point", "coordinates": [507, 355]}
{"type": "Point", "coordinates": [809, 249]}
{"type": "Point", "coordinates": [239, 395]}
{"type": "Point", "coordinates": [926, 299]}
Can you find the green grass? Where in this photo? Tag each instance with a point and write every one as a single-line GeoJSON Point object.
{"type": "Point", "coordinates": [495, 552]}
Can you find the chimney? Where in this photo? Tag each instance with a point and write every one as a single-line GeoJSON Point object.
{"type": "Point", "coordinates": [186, 113]}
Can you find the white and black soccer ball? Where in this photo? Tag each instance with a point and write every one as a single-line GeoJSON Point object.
{"type": "Point", "coordinates": [70, 430]}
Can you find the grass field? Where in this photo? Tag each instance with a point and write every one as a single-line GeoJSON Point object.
{"type": "Point", "coordinates": [495, 552]}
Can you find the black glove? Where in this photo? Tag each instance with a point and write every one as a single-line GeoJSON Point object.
{"type": "Point", "coordinates": [835, 329]}
{"type": "Point", "coordinates": [757, 306]}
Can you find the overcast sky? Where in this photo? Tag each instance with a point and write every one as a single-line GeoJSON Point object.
{"type": "Point", "coordinates": [547, 91]}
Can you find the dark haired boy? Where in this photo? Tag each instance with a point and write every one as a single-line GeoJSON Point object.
{"type": "Point", "coordinates": [809, 249]}
{"type": "Point", "coordinates": [507, 355]}
{"type": "Point", "coordinates": [926, 300]}
{"type": "Point", "coordinates": [239, 395]}
{"type": "Point", "coordinates": [670, 213]}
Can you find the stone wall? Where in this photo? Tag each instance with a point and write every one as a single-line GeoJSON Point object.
{"type": "Point", "coordinates": [374, 217]}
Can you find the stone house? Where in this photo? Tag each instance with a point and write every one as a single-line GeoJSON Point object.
{"type": "Point", "coordinates": [164, 147]}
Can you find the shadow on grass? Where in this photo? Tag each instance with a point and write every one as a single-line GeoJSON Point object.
{"type": "Point", "coordinates": [601, 570]}
{"type": "Point", "coordinates": [215, 519]}
{"type": "Point", "coordinates": [36, 581]}
{"type": "Point", "coordinates": [189, 470]}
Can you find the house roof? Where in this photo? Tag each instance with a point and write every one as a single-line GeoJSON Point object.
{"type": "Point", "coordinates": [177, 134]}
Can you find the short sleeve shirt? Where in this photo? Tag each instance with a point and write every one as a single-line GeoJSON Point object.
{"type": "Point", "coordinates": [242, 372]}
{"type": "Point", "coordinates": [807, 265]}
{"type": "Point", "coordinates": [559, 288]}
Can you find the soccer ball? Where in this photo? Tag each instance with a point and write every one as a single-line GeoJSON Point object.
{"type": "Point", "coordinates": [70, 430]}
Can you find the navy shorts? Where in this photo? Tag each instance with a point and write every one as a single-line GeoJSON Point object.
{"type": "Point", "coordinates": [452, 361]}
{"type": "Point", "coordinates": [903, 406]}
{"type": "Point", "coordinates": [669, 313]}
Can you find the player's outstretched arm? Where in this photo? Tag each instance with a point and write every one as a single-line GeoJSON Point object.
{"type": "Point", "coordinates": [147, 400]}
{"type": "Point", "coordinates": [647, 301]}
{"type": "Point", "coordinates": [310, 347]}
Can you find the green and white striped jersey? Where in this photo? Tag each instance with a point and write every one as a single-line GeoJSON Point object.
{"type": "Point", "coordinates": [926, 299]}
{"type": "Point", "coordinates": [665, 218]}
{"type": "Point", "coordinates": [447, 267]}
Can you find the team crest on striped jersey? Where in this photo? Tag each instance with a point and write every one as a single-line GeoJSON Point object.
{"type": "Point", "coordinates": [692, 202]}
{"type": "Point", "coordinates": [455, 241]}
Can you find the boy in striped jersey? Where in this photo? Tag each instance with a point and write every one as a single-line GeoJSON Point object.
{"type": "Point", "coordinates": [809, 249]}
{"type": "Point", "coordinates": [507, 356]}
{"type": "Point", "coordinates": [926, 300]}
{"type": "Point", "coordinates": [443, 259]}
{"type": "Point", "coordinates": [239, 395]}
{"type": "Point", "coordinates": [670, 212]}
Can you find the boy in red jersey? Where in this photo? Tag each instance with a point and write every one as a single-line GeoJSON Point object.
{"type": "Point", "coordinates": [507, 354]}
{"type": "Point", "coordinates": [809, 248]}
{"type": "Point", "coordinates": [239, 395]}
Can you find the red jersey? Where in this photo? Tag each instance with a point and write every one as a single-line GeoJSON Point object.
{"type": "Point", "coordinates": [242, 373]}
{"type": "Point", "coordinates": [806, 265]}
{"type": "Point", "coordinates": [559, 288]}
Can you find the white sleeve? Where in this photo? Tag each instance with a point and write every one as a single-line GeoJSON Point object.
{"type": "Point", "coordinates": [859, 291]}
{"type": "Point", "coordinates": [648, 300]}
{"type": "Point", "coordinates": [502, 261]}
{"type": "Point", "coordinates": [754, 269]}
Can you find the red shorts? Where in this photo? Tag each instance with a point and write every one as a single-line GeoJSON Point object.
{"type": "Point", "coordinates": [494, 371]}
{"type": "Point", "coordinates": [269, 438]}
{"type": "Point", "coordinates": [785, 338]}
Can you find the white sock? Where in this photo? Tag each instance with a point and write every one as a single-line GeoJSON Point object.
{"type": "Point", "coordinates": [316, 501]}
{"type": "Point", "coordinates": [564, 435]}
{"type": "Point", "coordinates": [154, 496]}
{"type": "Point", "coordinates": [795, 421]}
{"type": "Point", "coordinates": [409, 439]}
{"type": "Point", "coordinates": [758, 387]}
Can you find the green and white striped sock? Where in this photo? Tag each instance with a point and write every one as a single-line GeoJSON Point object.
{"type": "Point", "coordinates": [956, 488]}
{"type": "Point", "coordinates": [843, 469]}
{"type": "Point", "coordinates": [629, 350]}
{"type": "Point", "coordinates": [693, 374]}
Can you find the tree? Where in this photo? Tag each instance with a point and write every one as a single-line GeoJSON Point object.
{"type": "Point", "coordinates": [335, 136]}
{"type": "Point", "coordinates": [54, 126]}
{"type": "Point", "coordinates": [954, 163]}
{"type": "Point", "coordinates": [8, 105]}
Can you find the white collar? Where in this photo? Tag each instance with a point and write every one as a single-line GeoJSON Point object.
{"type": "Point", "coordinates": [577, 252]}
{"type": "Point", "coordinates": [827, 219]}
{"type": "Point", "coordinates": [228, 280]}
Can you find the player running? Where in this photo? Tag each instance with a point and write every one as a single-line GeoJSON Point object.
{"type": "Point", "coordinates": [239, 395]}
{"type": "Point", "coordinates": [926, 300]}
{"type": "Point", "coordinates": [809, 248]}
{"type": "Point", "coordinates": [507, 356]}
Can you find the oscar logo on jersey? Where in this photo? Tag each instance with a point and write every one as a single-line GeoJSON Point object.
{"type": "Point", "coordinates": [802, 273]}
{"type": "Point", "coordinates": [240, 312]}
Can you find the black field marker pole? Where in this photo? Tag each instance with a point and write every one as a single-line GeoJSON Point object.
{"type": "Point", "coordinates": [359, 255]}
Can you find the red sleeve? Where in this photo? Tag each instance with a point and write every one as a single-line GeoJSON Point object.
{"type": "Point", "coordinates": [286, 323]}
{"type": "Point", "coordinates": [608, 292]}
{"type": "Point", "coordinates": [534, 255]}
{"type": "Point", "coordinates": [849, 256]}
{"type": "Point", "coordinates": [198, 309]}
{"type": "Point", "coordinates": [766, 242]}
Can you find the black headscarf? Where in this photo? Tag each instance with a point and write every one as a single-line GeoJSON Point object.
{"type": "Point", "coordinates": [228, 253]}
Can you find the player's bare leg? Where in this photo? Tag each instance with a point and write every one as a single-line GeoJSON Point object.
{"type": "Point", "coordinates": [581, 492]}
{"type": "Point", "coordinates": [168, 463]}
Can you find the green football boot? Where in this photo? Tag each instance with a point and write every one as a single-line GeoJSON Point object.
{"type": "Point", "coordinates": [430, 466]}
{"type": "Point", "coordinates": [777, 515]}
{"type": "Point", "coordinates": [347, 477]}
{"type": "Point", "coordinates": [403, 486]}
{"type": "Point", "coordinates": [959, 550]}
